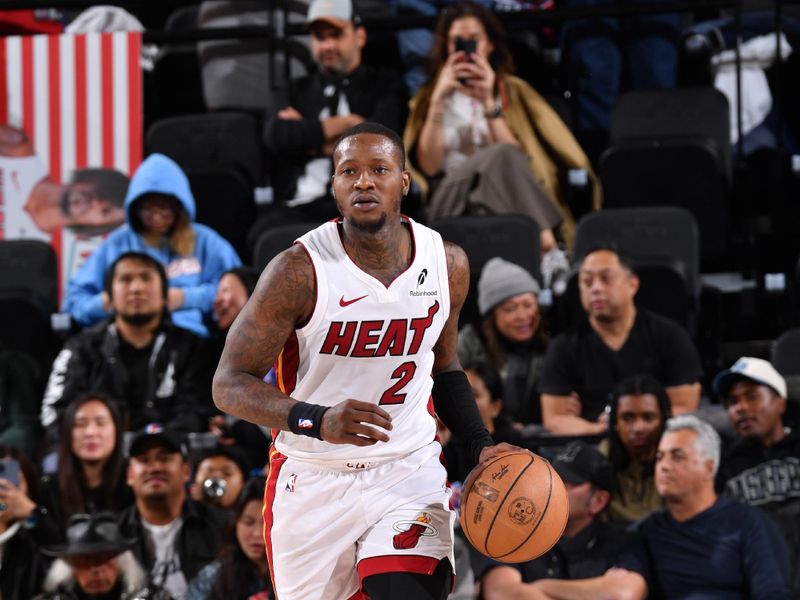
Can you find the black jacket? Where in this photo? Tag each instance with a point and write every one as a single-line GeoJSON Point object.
{"type": "Point", "coordinates": [376, 94]}
{"type": "Point", "coordinates": [24, 567]}
{"type": "Point", "coordinates": [177, 381]}
{"type": "Point", "coordinates": [197, 542]}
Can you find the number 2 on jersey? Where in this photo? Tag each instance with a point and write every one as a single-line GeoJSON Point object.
{"type": "Point", "coordinates": [404, 373]}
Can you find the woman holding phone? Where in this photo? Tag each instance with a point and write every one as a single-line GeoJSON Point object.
{"type": "Point", "coordinates": [481, 139]}
{"type": "Point", "coordinates": [22, 567]}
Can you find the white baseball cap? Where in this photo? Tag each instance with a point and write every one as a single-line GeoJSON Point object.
{"type": "Point", "coordinates": [754, 369]}
{"type": "Point", "coordinates": [336, 12]}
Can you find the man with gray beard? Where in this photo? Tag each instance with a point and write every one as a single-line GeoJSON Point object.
{"type": "Point", "coordinates": [156, 371]}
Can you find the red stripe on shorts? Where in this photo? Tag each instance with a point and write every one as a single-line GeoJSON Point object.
{"type": "Point", "coordinates": [276, 460]}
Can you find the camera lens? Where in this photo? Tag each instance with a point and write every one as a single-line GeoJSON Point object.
{"type": "Point", "coordinates": [214, 487]}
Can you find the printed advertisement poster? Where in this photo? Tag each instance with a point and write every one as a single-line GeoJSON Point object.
{"type": "Point", "coordinates": [70, 134]}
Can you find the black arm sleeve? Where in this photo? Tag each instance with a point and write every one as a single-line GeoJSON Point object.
{"type": "Point", "coordinates": [454, 403]}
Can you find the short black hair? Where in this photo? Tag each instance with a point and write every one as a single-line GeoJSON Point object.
{"type": "Point", "coordinates": [142, 258]}
{"type": "Point", "coordinates": [370, 127]}
{"type": "Point", "coordinates": [609, 246]}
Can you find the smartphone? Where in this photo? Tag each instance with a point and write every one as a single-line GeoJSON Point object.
{"type": "Point", "coordinates": [466, 46]}
{"type": "Point", "coordinates": [9, 469]}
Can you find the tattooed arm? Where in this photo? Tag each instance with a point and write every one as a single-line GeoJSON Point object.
{"type": "Point", "coordinates": [283, 298]}
{"type": "Point", "coordinates": [453, 399]}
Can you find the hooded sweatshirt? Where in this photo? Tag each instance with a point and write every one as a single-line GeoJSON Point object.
{"type": "Point", "coordinates": [196, 274]}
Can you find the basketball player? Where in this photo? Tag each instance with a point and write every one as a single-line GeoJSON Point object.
{"type": "Point", "coordinates": [361, 315]}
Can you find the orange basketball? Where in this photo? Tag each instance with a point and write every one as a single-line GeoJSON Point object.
{"type": "Point", "coordinates": [514, 507]}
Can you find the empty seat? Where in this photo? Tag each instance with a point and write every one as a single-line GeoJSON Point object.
{"type": "Point", "coordinates": [275, 240]}
{"type": "Point", "coordinates": [224, 200]}
{"type": "Point", "coordinates": [205, 141]}
{"type": "Point", "coordinates": [512, 237]}
{"type": "Point", "coordinates": [786, 359]}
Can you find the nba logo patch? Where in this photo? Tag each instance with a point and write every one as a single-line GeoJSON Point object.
{"type": "Point", "coordinates": [291, 482]}
{"type": "Point", "coordinates": [305, 423]}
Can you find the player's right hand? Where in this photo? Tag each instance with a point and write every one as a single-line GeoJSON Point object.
{"type": "Point", "coordinates": [355, 422]}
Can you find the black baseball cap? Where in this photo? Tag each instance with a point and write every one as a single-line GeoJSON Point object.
{"type": "Point", "coordinates": [579, 462]}
{"type": "Point", "coordinates": [154, 433]}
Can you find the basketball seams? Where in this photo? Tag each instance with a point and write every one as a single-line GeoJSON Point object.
{"type": "Point", "coordinates": [542, 513]}
{"type": "Point", "coordinates": [466, 495]}
{"type": "Point", "coordinates": [501, 505]}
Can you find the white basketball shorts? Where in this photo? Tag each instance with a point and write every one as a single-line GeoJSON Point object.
{"type": "Point", "coordinates": [327, 529]}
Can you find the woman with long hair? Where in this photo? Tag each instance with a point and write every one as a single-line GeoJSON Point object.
{"type": "Point", "coordinates": [639, 409]}
{"type": "Point", "coordinates": [481, 139]}
{"type": "Point", "coordinates": [160, 211]}
{"type": "Point", "coordinates": [91, 465]}
{"type": "Point", "coordinates": [241, 569]}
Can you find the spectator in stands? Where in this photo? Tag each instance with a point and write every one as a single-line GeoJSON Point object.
{"type": "Point", "coordinates": [234, 288]}
{"type": "Point", "coordinates": [91, 465]}
{"type": "Point", "coordinates": [617, 340]}
{"type": "Point", "coordinates": [156, 371]}
{"type": "Point", "coordinates": [763, 467]}
{"type": "Point", "coordinates": [304, 125]}
{"type": "Point", "coordinates": [19, 401]}
{"type": "Point", "coordinates": [90, 203]}
{"type": "Point", "coordinates": [219, 476]}
{"type": "Point", "coordinates": [509, 337]}
{"type": "Point", "coordinates": [639, 410]}
{"type": "Point", "coordinates": [602, 53]}
{"type": "Point", "coordinates": [176, 536]}
{"type": "Point", "coordinates": [700, 545]}
{"type": "Point", "coordinates": [160, 212]}
{"type": "Point", "coordinates": [22, 567]}
{"type": "Point", "coordinates": [588, 546]}
{"type": "Point", "coordinates": [95, 562]}
{"type": "Point", "coordinates": [480, 139]}
{"type": "Point", "coordinates": [241, 569]}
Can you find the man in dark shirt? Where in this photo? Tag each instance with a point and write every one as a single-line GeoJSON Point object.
{"type": "Point", "coordinates": [156, 371]}
{"type": "Point", "coordinates": [588, 545]}
{"type": "Point", "coordinates": [618, 340]}
{"type": "Point", "coordinates": [701, 546]}
{"type": "Point", "coordinates": [321, 106]}
{"type": "Point", "coordinates": [763, 467]}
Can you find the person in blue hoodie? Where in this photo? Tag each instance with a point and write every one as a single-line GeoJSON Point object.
{"type": "Point", "coordinates": [160, 212]}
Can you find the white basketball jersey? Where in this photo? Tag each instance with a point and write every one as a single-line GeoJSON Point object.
{"type": "Point", "coordinates": [368, 342]}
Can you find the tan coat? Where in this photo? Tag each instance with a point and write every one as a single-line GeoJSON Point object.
{"type": "Point", "coordinates": [550, 146]}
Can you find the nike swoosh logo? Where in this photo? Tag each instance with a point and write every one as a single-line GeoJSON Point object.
{"type": "Point", "coordinates": [343, 302]}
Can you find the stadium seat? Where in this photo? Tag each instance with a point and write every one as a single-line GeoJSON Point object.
{"type": "Point", "coordinates": [275, 240]}
{"type": "Point", "coordinates": [786, 359]}
{"type": "Point", "coordinates": [512, 237]}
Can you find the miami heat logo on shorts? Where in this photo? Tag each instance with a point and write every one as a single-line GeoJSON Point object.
{"type": "Point", "coordinates": [411, 531]}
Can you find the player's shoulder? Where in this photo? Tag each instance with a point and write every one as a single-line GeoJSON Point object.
{"type": "Point", "coordinates": [457, 260]}
{"type": "Point", "coordinates": [291, 267]}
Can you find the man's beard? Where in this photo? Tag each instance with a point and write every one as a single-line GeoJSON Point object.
{"type": "Point", "coordinates": [370, 227]}
{"type": "Point", "coordinates": [138, 319]}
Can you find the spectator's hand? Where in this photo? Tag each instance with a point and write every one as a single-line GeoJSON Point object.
{"type": "Point", "coordinates": [15, 505]}
{"type": "Point", "coordinates": [447, 80]}
{"type": "Point", "coordinates": [355, 422]}
{"type": "Point", "coordinates": [478, 79]}
{"type": "Point", "coordinates": [574, 405]}
{"type": "Point", "coordinates": [289, 114]}
{"type": "Point", "coordinates": [174, 298]}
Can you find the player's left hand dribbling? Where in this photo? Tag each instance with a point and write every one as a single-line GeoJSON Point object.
{"type": "Point", "coordinates": [357, 423]}
{"type": "Point", "coordinates": [501, 448]}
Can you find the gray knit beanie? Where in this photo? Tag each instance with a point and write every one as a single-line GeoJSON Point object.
{"type": "Point", "coordinates": [501, 280]}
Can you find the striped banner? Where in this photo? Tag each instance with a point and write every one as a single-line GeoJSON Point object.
{"type": "Point", "coordinates": [79, 99]}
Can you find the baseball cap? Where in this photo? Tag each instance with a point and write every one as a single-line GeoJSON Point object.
{"type": "Point", "coordinates": [579, 462]}
{"type": "Point", "coordinates": [754, 369]}
{"type": "Point", "coordinates": [154, 433]}
{"type": "Point", "coordinates": [336, 12]}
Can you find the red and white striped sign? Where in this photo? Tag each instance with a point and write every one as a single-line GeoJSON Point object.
{"type": "Point", "coordinates": [79, 98]}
